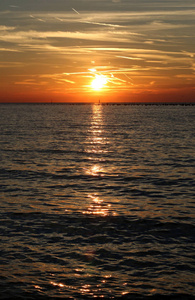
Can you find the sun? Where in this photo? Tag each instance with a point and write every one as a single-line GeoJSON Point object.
{"type": "Point", "coordinates": [98, 83]}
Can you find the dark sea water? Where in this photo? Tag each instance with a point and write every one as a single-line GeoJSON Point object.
{"type": "Point", "coordinates": [97, 201]}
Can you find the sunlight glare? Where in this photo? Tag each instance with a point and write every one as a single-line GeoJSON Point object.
{"type": "Point", "coordinates": [98, 83]}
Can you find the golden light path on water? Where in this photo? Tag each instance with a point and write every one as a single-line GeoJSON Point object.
{"type": "Point", "coordinates": [96, 145]}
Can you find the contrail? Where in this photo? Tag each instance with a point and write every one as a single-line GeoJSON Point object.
{"type": "Point", "coordinates": [75, 11]}
{"type": "Point", "coordinates": [102, 24]}
{"type": "Point", "coordinates": [129, 78]}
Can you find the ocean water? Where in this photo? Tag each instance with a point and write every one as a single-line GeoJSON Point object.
{"type": "Point", "coordinates": [97, 201]}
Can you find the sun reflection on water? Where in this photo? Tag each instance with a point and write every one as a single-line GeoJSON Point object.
{"type": "Point", "coordinates": [97, 146]}
{"type": "Point", "coordinates": [96, 140]}
{"type": "Point", "coordinates": [61, 285]}
{"type": "Point", "coordinates": [97, 206]}
{"type": "Point", "coordinates": [95, 170]}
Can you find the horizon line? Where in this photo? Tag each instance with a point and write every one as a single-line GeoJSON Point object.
{"type": "Point", "coordinates": [102, 103]}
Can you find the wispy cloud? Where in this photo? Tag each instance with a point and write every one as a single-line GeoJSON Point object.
{"type": "Point", "coordinates": [9, 50]}
{"type": "Point", "coordinates": [6, 28]}
{"type": "Point", "coordinates": [128, 57]}
{"type": "Point", "coordinates": [31, 82]}
{"type": "Point", "coordinates": [24, 36]}
{"type": "Point", "coordinates": [66, 80]}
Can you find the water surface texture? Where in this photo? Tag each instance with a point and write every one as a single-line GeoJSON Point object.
{"type": "Point", "coordinates": [97, 201]}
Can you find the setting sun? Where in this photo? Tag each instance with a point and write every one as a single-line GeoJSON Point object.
{"type": "Point", "coordinates": [98, 83]}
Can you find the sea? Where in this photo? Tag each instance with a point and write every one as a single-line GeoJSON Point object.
{"type": "Point", "coordinates": [97, 201]}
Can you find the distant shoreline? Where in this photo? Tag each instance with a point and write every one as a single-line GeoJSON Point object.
{"type": "Point", "coordinates": [103, 103]}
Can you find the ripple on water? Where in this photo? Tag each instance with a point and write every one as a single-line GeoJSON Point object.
{"type": "Point", "coordinates": [97, 201]}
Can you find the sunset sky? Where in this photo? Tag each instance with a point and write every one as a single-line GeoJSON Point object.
{"type": "Point", "coordinates": [53, 50]}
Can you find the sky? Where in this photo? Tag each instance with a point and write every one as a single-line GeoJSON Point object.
{"type": "Point", "coordinates": [139, 50]}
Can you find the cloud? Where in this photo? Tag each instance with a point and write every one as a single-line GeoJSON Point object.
{"type": "Point", "coordinates": [128, 57]}
{"type": "Point", "coordinates": [33, 35]}
{"type": "Point", "coordinates": [31, 82]}
{"type": "Point", "coordinates": [66, 80]}
{"type": "Point", "coordinates": [9, 50]}
{"type": "Point", "coordinates": [190, 54]}
{"type": "Point", "coordinates": [6, 28]}
{"type": "Point", "coordinates": [14, 64]}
